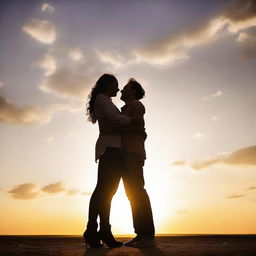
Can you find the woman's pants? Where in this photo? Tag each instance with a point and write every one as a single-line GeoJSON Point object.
{"type": "Point", "coordinates": [109, 175]}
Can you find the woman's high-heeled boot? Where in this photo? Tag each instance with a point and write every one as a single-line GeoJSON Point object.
{"type": "Point", "coordinates": [107, 237]}
{"type": "Point", "coordinates": [91, 236]}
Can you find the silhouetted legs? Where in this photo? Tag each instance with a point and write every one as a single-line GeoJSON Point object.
{"type": "Point", "coordinates": [132, 174]}
{"type": "Point", "coordinates": [108, 180]}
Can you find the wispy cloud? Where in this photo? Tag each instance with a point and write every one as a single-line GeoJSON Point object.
{"type": "Point", "coordinates": [28, 115]}
{"type": "Point", "coordinates": [67, 78]}
{"type": "Point", "coordinates": [41, 30]}
{"type": "Point", "coordinates": [179, 163]}
{"type": "Point", "coordinates": [25, 191]}
{"type": "Point", "coordinates": [76, 54]}
{"type": "Point", "coordinates": [86, 193]}
{"type": "Point", "coordinates": [68, 82]}
{"type": "Point", "coordinates": [241, 12]}
{"type": "Point", "coordinates": [248, 41]}
{"type": "Point", "coordinates": [54, 188]}
{"type": "Point", "coordinates": [244, 156]}
{"type": "Point", "coordinates": [235, 195]}
{"type": "Point", "coordinates": [174, 48]}
{"type": "Point", "coordinates": [10, 113]}
{"type": "Point", "coordinates": [113, 58]}
{"type": "Point", "coordinates": [72, 192]}
{"type": "Point", "coordinates": [71, 78]}
{"type": "Point", "coordinates": [217, 94]}
{"type": "Point", "coordinates": [250, 188]}
{"type": "Point", "coordinates": [48, 63]}
{"type": "Point", "coordinates": [213, 95]}
{"type": "Point", "coordinates": [47, 8]}
{"type": "Point", "coordinates": [31, 190]}
{"type": "Point", "coordinates": [206, 163]}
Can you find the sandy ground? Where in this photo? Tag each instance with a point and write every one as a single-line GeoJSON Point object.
{"type": "Point", "coordinates": [238, 245]}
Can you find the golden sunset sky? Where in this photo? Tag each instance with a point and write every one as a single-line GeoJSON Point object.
{"type": "Point", "coordinates": [197, 63]}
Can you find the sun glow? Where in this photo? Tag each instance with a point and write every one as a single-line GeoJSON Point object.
{"type": "Point", "coordinates": [162, 191]}
{"type": "Point", "coordinates": [121, 216]}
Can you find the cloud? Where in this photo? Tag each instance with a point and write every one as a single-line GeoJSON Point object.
{"type": "Point", "coordinates": [47, 8]}
{"type": "Point", "coordinates": [213, 95]}
{"type": "Point", "coordinates": [245, 157]}
{"type": "Point", "coordinates": [248, 41]}
{"type": "Point", "coordinates": [41, 30]}
{"type": "Point", "coordinates": [28, 191]}
{"type": "Point", "coordinates": [86, 193]}
{"type": "Point", "coordinates": [72, 78]}
{"type": "Point", "coordinates": [217, 94]}
{"type": "Point", "coordinates": [28, 115]}
{"type": "Point", "coordinates": [25, 191]}
{"type": "Point", "coordinates": [76, 54]}
{"type": "Point", "coordinates": [72, 192]}
{"type": "Point", "coordinates": [235, 195]}
{"type": "Point", "coordinates": [67, 78]}
{"type": "Point", "coordinates": [48, 63]}
{"type": "Point", "coordinates": [174, 48]}
{"type": "Point", "coordinates": [10, 113]}
{"type": "Point", "coordinates": [54, 188]}
{"type": "Point", "coordinates": [240, 15]}
{"type": "Point", "coordinates": [206, 163]}
{"type": "Point", "coordinates": [250, 188]}
{"type": "Point", "coordinates": [198, 136]}
{"type": "Point", "coordinates": [179, 163]}
{"type": "Point", "coordinates": [68, 82]}
{"type": "Point", "coordinates": [241, 10]}
{"type": "Point", "coordinates": [113, 58]}
{"type": "Point", "coordinates": [1, 84]}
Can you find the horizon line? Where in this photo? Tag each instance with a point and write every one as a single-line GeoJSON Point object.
{"type": "Point", "coordinates": [128, 235]}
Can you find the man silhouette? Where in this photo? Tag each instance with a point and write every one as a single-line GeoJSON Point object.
{"type": "Point", "coordinates": [133, 158]}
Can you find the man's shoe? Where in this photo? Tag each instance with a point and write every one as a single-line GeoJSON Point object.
{"type": "Point", "coordinates": [131, 242]}
{"type": "Point", "coordinates": [144, 242]}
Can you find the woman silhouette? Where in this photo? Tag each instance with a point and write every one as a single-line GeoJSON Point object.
{"type": "Point", "coordinates": [108, 151]}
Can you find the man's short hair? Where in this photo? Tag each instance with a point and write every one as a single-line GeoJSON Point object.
{"type": "Point", "coordinates": [139, 91]}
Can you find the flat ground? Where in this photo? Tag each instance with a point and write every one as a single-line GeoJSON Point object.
{"type": "Point", "coordinates": [193, 245]}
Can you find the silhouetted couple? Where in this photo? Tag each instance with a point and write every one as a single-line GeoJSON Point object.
{"type": "Point", "coordinates": [121, 154]}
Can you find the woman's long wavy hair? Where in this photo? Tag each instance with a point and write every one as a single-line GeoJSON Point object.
{"type": "Point", "coordinates": [100, 87]}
